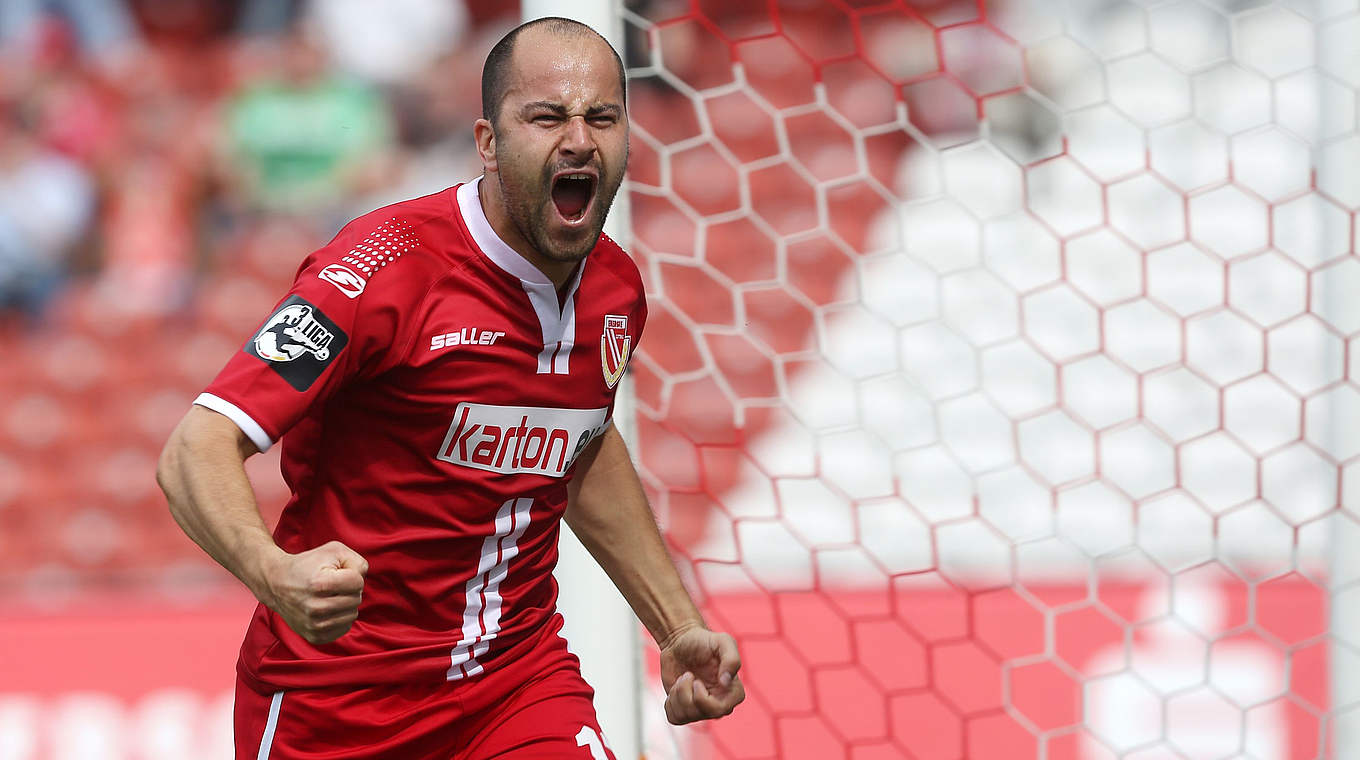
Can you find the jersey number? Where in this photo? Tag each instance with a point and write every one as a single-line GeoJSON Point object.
{"type": "Point", "coordinates": [589, 737]}
{"type": "Point", "coordinates": [482, 614]}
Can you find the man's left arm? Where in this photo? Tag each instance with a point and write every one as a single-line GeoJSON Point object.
{"type": "Point", "coordinates": [607, 509]}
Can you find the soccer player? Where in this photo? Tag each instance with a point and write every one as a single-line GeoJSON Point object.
{"type": "Point", "coordinates": [441, 378]}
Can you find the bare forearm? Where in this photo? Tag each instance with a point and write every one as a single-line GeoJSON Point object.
{"type": "Point", "coordinates": [316, 591]}
{"type": "Point", "coordinates": [608, 511]}
{"type": "Point", "coordinates": [203, 476]}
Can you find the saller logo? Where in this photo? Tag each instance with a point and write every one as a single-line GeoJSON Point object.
{"type": "Point", "coordinates": [519, 439]}
{"type": "Point", "coordinates": [344, 279]}
{"type": "Point", "coordinates": [615, 343]}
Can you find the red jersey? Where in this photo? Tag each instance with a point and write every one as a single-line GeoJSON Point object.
{"type": "Point", "coordinates": [431, 390]}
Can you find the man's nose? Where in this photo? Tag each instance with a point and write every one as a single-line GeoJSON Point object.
{"type": "Point", "coordinates": [577, 140]}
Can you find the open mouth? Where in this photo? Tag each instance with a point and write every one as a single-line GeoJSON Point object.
{"type": "Point", "coordinates": [571, 194]}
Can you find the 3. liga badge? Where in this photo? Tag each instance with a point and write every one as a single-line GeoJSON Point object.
{"type": "Point", "coordinates": [298, 342]}
{"type": "Point", "coordinates": [290, 333]}
{"type": "Point", "coordinates": [615, 343]}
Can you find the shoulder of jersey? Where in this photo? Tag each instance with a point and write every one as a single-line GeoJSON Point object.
{"type": "Point", "coordinates": [400, 237]}
{"type": "Point", "coordinates": [612, 256]}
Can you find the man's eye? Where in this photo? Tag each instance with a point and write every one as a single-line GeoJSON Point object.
{"type": "Point", "coordinates": [546, 119]}
{"type": "Point", "coordinates": [602, 121]}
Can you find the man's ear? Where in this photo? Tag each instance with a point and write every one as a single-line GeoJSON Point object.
{"type": "Point", "coordinates": [485, 135]}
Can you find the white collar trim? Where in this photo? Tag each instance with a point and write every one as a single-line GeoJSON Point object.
{"type": "Point", "coordinates": [558, 324]}
{"type": "Point", "coordinates": [501, 254]}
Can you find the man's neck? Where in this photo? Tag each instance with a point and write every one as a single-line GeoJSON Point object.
{"type": "Point", "coordinates": [493, 205]}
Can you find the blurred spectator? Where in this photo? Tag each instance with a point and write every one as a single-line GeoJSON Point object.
{"type": "Point", "coordinates": [71, 105]}
{"type": "Point", "coordinates": [387, 42]}
{"type": "Point", "coordinates": [434, 122]}
{"type": "Point", "coordinates": [267, 17]}
{"type": "Point", "coordinates": [185, 22]}
{"type": "Point", "coordinates": [305, 138]}
{"type": "Point", "coordinates": [155, 185]}
{"type": "Point", "coordinates": [103, 28]}
{"type": "Point", "coordinates": [47, 202]}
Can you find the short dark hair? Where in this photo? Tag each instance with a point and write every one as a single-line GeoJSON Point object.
{"type": "Point", "coordinates": [496, 70]}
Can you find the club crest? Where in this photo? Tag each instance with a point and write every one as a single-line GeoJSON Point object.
{"type": "Point", "coordinates": [615, 344]}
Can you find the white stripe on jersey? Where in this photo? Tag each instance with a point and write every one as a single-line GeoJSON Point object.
{"type": "Point", "coordinates": [559, 328]}
{"type": "Point", "coordinates": [267, 741]}
{"type": "Point", "coordinates": [482, 613]}
{"type": "Point", "coordinates": [560, 366]}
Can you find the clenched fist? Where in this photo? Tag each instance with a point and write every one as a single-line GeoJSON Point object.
{"type": "Point", "coordinates": [317, 592]}
{"type": "Point", "coordinates": [699, 672]}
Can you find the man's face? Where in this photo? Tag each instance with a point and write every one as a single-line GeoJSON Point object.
{"type": "Point", "coordinates": [561, 142]}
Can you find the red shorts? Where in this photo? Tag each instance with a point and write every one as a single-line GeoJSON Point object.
{"type": "Point", "coordinates": [551, 716]}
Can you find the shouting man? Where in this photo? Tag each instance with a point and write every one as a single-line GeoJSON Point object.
{"type": "Point", "coordinates": [441, 377]}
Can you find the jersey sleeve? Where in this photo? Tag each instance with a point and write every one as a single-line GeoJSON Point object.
{"type": "Point", "coordinates": [342, 320]}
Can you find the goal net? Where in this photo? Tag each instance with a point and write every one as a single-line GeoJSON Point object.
{"type": "Point", "coordinates": [999, 385]}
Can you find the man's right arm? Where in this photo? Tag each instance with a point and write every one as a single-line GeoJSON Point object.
{"type": "Point", "coordinates": [202, 472]}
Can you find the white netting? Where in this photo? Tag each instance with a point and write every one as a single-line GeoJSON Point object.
{"type": "Point", "coordinates": [1000, 388]}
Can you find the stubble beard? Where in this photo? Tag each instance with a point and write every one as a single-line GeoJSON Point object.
{"type": "Point", "coordinates": [530, 206]}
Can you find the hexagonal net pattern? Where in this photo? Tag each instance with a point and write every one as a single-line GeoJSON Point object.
{"type": "Point", "coordinates": [999, 391]}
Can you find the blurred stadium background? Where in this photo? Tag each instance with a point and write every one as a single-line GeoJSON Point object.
{"type": "Point", "coordinates": [999, 392]}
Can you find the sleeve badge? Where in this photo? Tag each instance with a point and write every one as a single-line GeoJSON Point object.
{"type": "Point", "coordinates": [298, 342]}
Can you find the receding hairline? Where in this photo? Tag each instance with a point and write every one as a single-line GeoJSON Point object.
{"type": "Point", "coordinates": [496, 70]}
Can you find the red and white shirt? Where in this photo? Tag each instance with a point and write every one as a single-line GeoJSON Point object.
{"type": "Point", "coordinates": [431, 390]}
